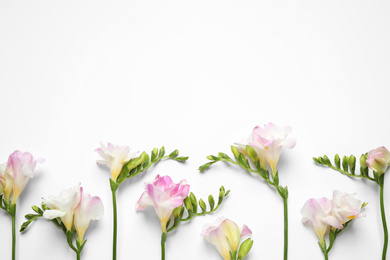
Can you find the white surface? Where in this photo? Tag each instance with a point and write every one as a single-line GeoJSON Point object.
{"type": "Point", "coordinates": [196, 76]}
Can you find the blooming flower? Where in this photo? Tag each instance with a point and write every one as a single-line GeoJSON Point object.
{"type": "Point", "coordinates": [324, 213]}
{"type": "Point", "coordinates": [164, 196]}
{"type": "Point", "coordinates": [89, 208]}
{"type": "Point", "coordinates": [19, 170]}
{"type": "Point", "coordinates": [225, 235]}
{"type": "Point", "coordinates": [63, 206]}
{"type": "Point", "coordinates": [114, 157]}
{"type": "Point", "coordinates": [271, 139]}
{"type": "Point", "coordinates": [346, 207]}
{"type": "Point", "coordinates": [378, 159]}
{"type": "Point", "coordinates": [319, 212]}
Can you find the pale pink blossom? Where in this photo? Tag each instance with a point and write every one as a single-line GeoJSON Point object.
{"type": "Point", "coordinates": [19, 170]}
{"type": "Point", "coordinates": [63, 206]}
{"type": "Point", "coordinates": [378, 159]}
{"type": "Point", "coordinates": [89, 208]}
{"type": "Point", "coordinates": [271, 139]}
{"type": "Point", "coordinates": [114, 157]}
{"type": "Point", "coordinates": [164, 196]}
{"type": "Point", "coordinates": [346, 207]}
{"type": "Point", "coordinates": [319, 213]}
{"type": "Point", "coordinates": [225, 235]}
{"type": "Point", "coordinates": [241, 146]}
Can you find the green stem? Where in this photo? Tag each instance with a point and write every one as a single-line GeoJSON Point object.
{"type": "Point", "coordinates": [285, 228]}
{"type": "Point", "coordinates": [114, 238]}
{"type": "Point", "coordinates": [13, 213]}
{"type": "Point", "coordinates": [326, 255]}
{"type": "Point", "coordinates": [381, 182]}
{"type": "Point", "coordinates": [78, 255]}
{"type": "Point", "coordinates": [163, 240]}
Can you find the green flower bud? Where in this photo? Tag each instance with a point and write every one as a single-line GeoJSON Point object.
{"type": "Point", "coordinates": [176, 212]}
{"type": "Point", "coordinates": [337, 160]}
{"type": "Point", "coordinates": [245, 248]}
{"type": "Point", "coordinates": [363, 161]}
{"type": "Point", "coordinates": [352, 163]}
{"type": "Point", "coordinates": [202, 205]}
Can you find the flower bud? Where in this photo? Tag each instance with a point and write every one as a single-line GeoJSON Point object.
{"type": "Point", "coordinates": [245, 248]}
{"type": "Point", "coordinates": [378, 159]}
{"type": "Point", "coordinates": [352, 163]}
{"type": "Point", "coordinates": [202, 205]}
{"type": "Point", "coordinates": [363, 163]}
{"type": "Point", "coordinates": [176, 212]}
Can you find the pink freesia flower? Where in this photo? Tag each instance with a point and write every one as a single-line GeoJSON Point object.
{"type": "Point", "coordinates": [63, 206]}
{"type": "Point", "coordinates": [19, 170]}
{"type": "Point", "coordinates": [164, 196]}
{"type": "Point", "coordinates": [225, 235]}
{"type": "Point", "coordinates": [378, 159]}
{"type": "Point", "coordinates": [241, 146]}
{"type": "Point", "coordinates": [271, 139]}
{"type": "Point", "coordinates": [114, 157]}
{"type": "Point", "coordinates": [346, 207]}
{"type": "Point", "coordinates": [89, 208]}
{"type": "Point", "coordinates": [319, 212]}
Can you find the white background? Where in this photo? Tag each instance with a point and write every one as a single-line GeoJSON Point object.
{"type": "Point", "coordinates": [196, 76]}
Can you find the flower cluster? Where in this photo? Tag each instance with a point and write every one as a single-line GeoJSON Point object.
{"type": "Point", "coordinates": [324, 213]}
{"type": "Point", "coordinates": [226, 236]}
{"type": "Point", "coordinates": [15, 174]}
{"type": "Point", "coordinates": [75, 209]}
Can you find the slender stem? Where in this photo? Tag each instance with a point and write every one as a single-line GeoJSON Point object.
{"type": "Point", "coordinates": [13, 213]}
{"type": "Point", "coordinates": [78, 255]}
{"type": "Point", "coordinates": [386, 238]}
{"type": "Point", "coordinates": [163, 240]}
{"type": "Point", "coordinates": [326, 255]}
{"type": "Point", "coordinates": [285, 228]}
{"type": "Point", "coordinates": [114, 238]}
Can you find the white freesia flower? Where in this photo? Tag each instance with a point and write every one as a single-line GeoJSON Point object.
{"type": "Point", "coordinates": [114, 157]}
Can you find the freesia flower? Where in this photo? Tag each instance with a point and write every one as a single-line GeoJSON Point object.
{"type": "Point", "coordinates": [271, 139]}
{"type": "Point", "coordinates": [225, 235]}
{"type": "Point", "coordinates": [19, 170]}
{"type": "Point", "coordinates": [164, 196]}
{"type": "Point", "coordinates": [241, 146]}
{"type": "Point", "coordinates": [114, 157]}
{"type": "Point", "coordinates": [319, 212]}
{"type": "Point", "coordinates": [378, 159]}
{"type": "Point", "coordinates": [63, 206]}
{"type": "Point", "coordinates": [89, 208]}
{"type": "Point", "coordinates": [346, 207]}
